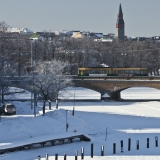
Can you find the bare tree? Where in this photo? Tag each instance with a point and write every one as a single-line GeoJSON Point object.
{"type": "Point", "coordinates": [48, 79]}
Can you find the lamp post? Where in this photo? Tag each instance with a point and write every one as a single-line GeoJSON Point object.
{"type": "Point", "coordinates": [66, 120]}
{"type": "Point", "coordinates": [32, 75]}
{"type": "Point", "coordinates": [74, 102]}
{"type": "Point", "coordinates": [19, 67]}
{"type": "Point", "coordinates": [33, 96]}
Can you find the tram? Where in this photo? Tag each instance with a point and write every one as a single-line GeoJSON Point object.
{"type": "Point", "coordinates": [108, 71]}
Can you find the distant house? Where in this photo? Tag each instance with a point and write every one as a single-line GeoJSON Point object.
{"type": "Point", "coordinates": [57, 33]}
{"type": "Point", "coordinates": [156, 38]}
{"type": "Point", "coordinates": [86, 33]}
{"type": "Point", "coordinates": [77, 34]}
{"type": "Point", "coordinates": [36, 36]}
{"type": "Point", "coordinates": [45, 35]}
{"type": "Point", "coordinates": [111, 35]}
{"type": "Point", "coordinates": [96, 35]}
{"type": "Point", "coordinates": [20, 30]}
{"type": "Point", "coordinates": [63, 33]}
{"type": "Point", "coordinates": [138, 39]}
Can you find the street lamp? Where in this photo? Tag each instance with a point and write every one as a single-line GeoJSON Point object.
{"type": "Point", "coordinates": [66, 120]}
{"type": "Point", "coordinates": [32, 75]}
{"type": "Point", "coordinates": [74, 102]}
{"type": "Point", "coordinates": [33, 96]}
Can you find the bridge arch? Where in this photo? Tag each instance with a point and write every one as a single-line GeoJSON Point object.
{"type": "Point", "coordinates": [72, 93]}
{"type": "Point", "coordinates": [115, 86]}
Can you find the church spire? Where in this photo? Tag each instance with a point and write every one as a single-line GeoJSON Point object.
{"type": "Point", "coordinates": [120, 10]}
{"type": "Point", "coordinates": [120, 25]}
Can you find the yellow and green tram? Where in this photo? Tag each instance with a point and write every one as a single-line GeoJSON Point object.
{"type": "Point", "coordinates": [108, 71]}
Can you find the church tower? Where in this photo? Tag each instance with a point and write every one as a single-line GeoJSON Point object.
{"type": "Point", "coordinates": [120, 25]}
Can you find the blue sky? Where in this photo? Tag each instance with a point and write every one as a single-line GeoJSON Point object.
{"type": "Point", "coordinates": [142, 17]}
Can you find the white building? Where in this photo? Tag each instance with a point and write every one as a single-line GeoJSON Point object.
{"type": "Point", "coordinates": [20, 30]}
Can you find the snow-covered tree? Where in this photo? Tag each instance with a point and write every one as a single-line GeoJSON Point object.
{"type": "Point", "coordinates": [48, 78]}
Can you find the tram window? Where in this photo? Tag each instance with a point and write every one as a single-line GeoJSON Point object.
{"type": "Point", "coordinates": [131, 71]}
{"type": "Point", "coordinates": [88, 71]}
{"type": "Point", "coordinates": [95, 72]}
{"type": "Point", "coordinates": [120, 72]}
{"type": "Point", "coordinates": [142, 72]}
{"type": "Point", "coordinates": [115, 72]}
{"type": "Point", "coordinates": [108, 71]}
{"type": "Point", "coordinates": [136, 72]}
{"type": "Point", "coordinates": [126, 71]}
{"type": "Point", "coordinates": [103, 72]}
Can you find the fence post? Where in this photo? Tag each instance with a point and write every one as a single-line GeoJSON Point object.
{"type": "Point", "coordinates": [46, 156]}
{"type": "Point", "coordinates": [137, 142]}
{"type": "Point", "coordinates": [49, 105]}
{"type": "Point", "coordinates": [121, 145]}
{"type": "Point", "coordinates": [56, 156]}
{"type": "Point", "coordinates": [102, 150]}
{"type": "Point", "coordinates": [156, 141]}
{"type": "Point", "coordinates": [56, 103]}
{"type": "Point", "coordinates": [82, 153]}
{"type": "Point", "coordinates": [73, 111]}
{"type": "Point", "coordinates": [65, 157]}
{"type": "Point", "coordinates": [147, 142]}
{"type": "Point", "coordinates": [114, 148]}
{"type": "Point", "coordinates": [39, 157]}
{"type": "Point", "coordinates": [76, 154]}
{"type": "Point", "coordinates": [129, 144]}
{"type": "Point", "coordinates": [92, 150]}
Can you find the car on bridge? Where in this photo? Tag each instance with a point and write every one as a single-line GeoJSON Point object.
{"type": "Point", "coordinates": [8, 108]}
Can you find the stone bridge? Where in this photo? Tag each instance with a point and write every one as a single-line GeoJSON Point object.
{"type": "Point", "coordinates": [114, 85]}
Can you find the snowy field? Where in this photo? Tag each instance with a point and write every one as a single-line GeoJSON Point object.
{"type": "Point", "coordinates": [123, 120]}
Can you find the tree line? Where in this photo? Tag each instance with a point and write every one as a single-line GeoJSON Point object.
{"type": "Point", "coordinates": [19, 50]}
{"type": "Point", "coordinates": [21, 56]}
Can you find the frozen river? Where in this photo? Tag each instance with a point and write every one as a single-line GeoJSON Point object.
{"type": "Point", "coordinates": [140, 93]}
{"type": "Point", "coordinates": [79, 93]}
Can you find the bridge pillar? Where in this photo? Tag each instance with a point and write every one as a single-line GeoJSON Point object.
{"type": "Point", "coordinates": [115, 95]}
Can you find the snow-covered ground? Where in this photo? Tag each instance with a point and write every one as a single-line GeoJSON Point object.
{"type": "Point", "coordinates": [123, 120]}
